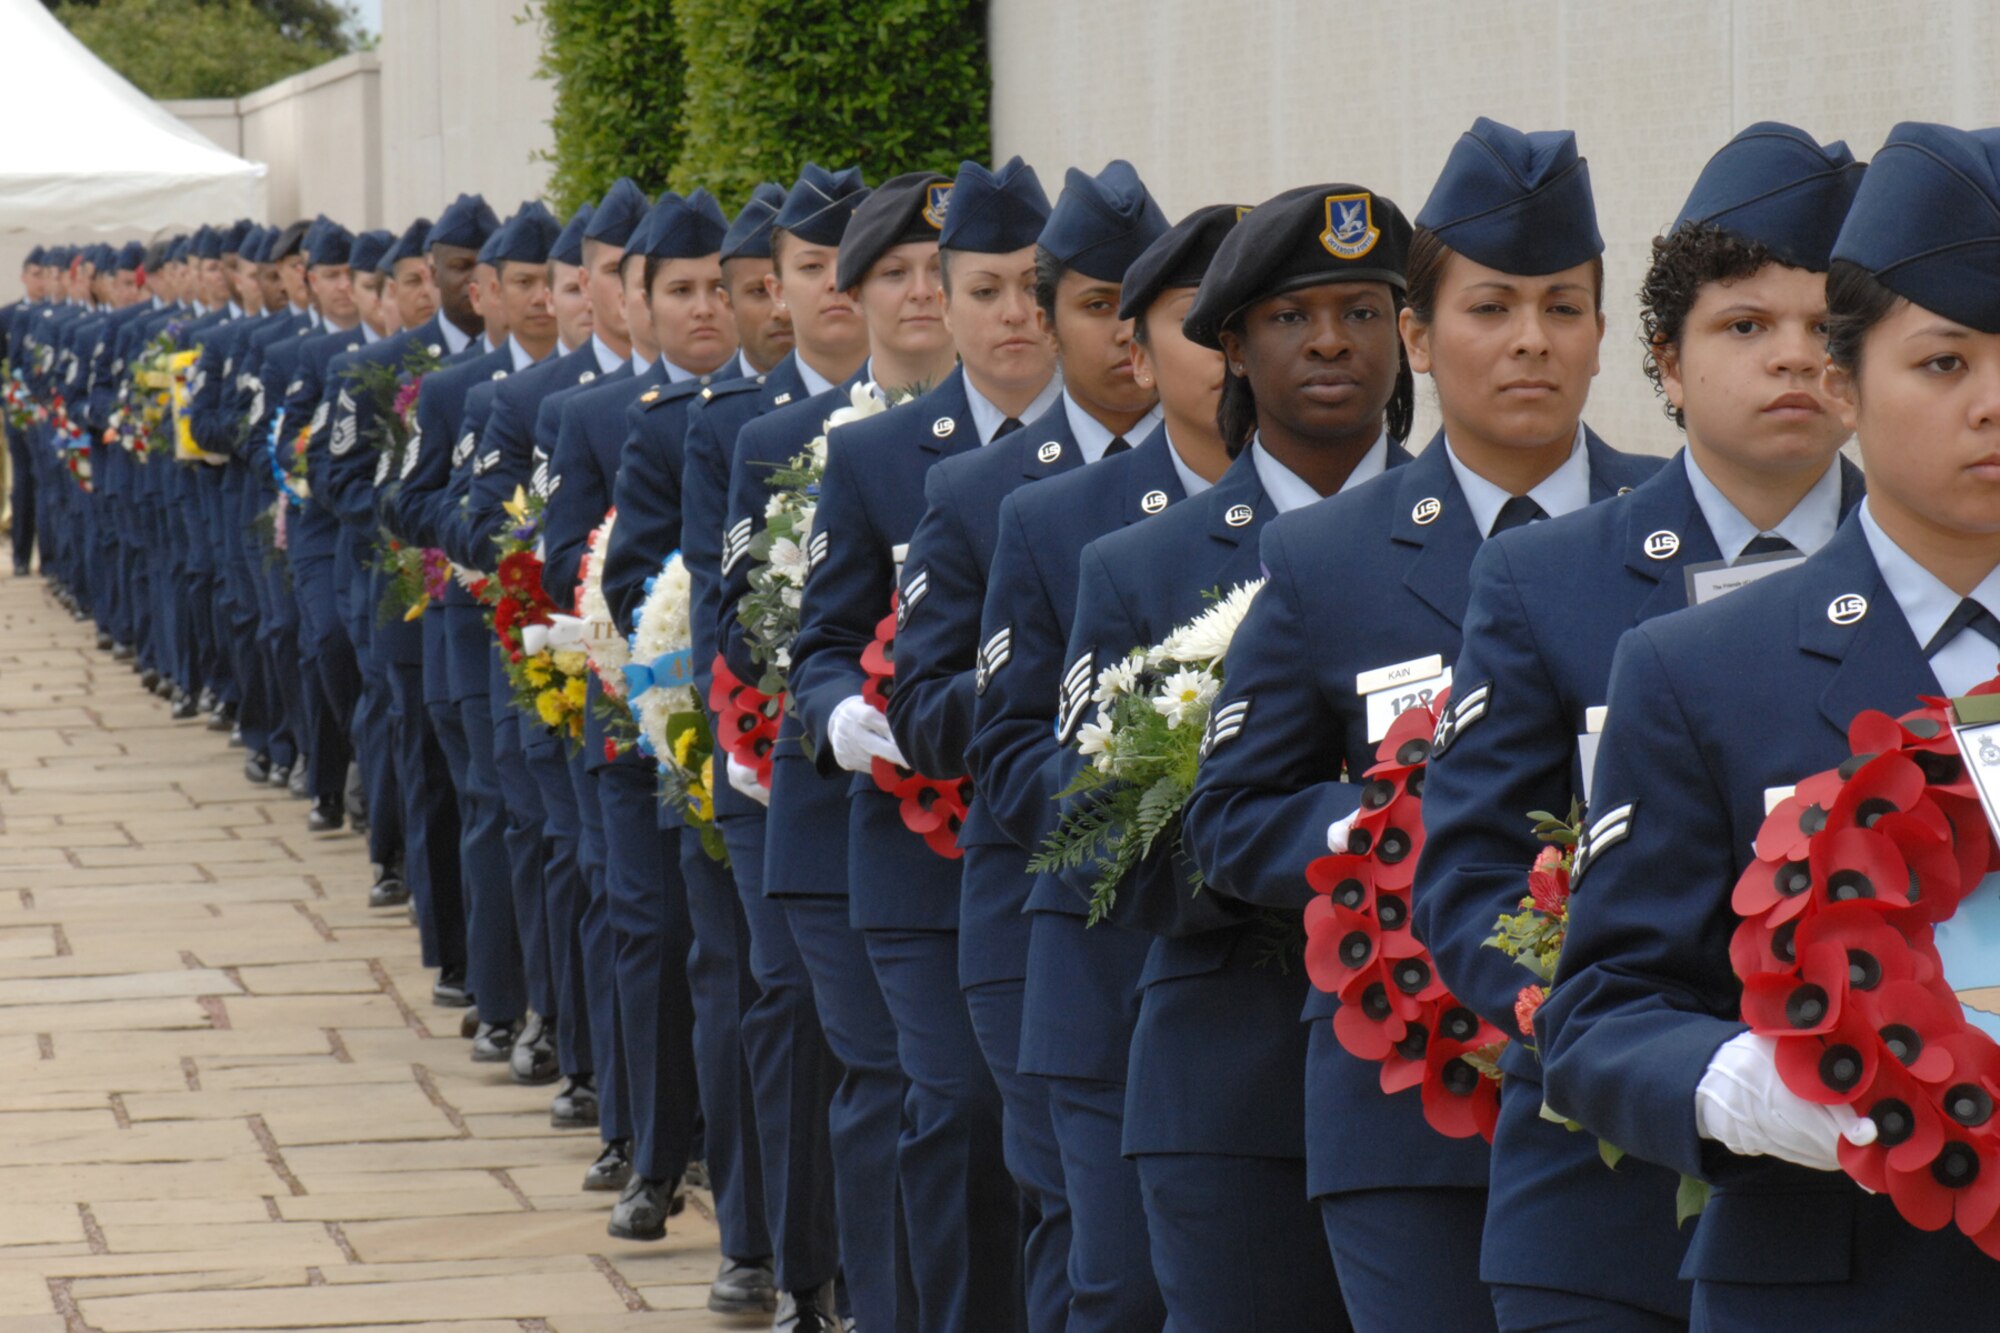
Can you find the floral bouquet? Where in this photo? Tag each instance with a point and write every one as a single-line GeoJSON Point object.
{"type": "Point", "coordinates": [415, 576]}
{"type": "Point", "coordinates": [608, 650]}
{"type": "Point", "coordinates": [784, 552]}
{"type": "Point", "coordinates": [1144, 747]}
{"type": "Point", "coordinates": [20, 403]}
{"type": "Point", "coordinates": [392, 388]}
{"type": "Point", "coordinates": [541, 651]}
{"type": "Point", "coordinates": [1533, 936]}
{"type": "Point", "coordinates": [660, 690]}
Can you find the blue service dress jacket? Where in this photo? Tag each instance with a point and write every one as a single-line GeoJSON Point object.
{"type": "Point", "coordinates": [1709, 709]}
{"type": "Point", "coordinates": [1371, 578]}
{"type": "Point", "coordinates": [871, 500]}
{"type": "Point", "coordinates": [1548, 604]}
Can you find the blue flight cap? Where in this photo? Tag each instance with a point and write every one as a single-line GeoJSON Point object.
{"type": "Point", "coordinates": [528, 236]}
{"type": "Point", "coordinates": [1305, 237]}
{"type": "Point", "coordinates": [903, 210]}
{"type": "Point", "coordinates": [1773, 184]}
{"type": "Point", "coordinates": [1519, 203]}
{"type": "Point", "coordinates": [467, 222]}
{"type": "Point", "coordinates": [749, 237]}
{"type": "Point", "coordinates": [489, 252]}
{"type": "Point", "coordinates": [1180, 258]}
{"type": "Point", "coordinates": [617, 213]}
{"type": "Point", "coordinates": [369, 247]}
{"type": "Point", "coordinates": [177, 251]}
{"type": "Point", "coordinates": [569, 245]}
{"type": "Point", "coordinates": [410, 245]}
{"type": "Point", "coordinates": [239, 232]}
{"type": "Point", "coordinates": [258, 243]}
{"type": "Point", "coordinates": [995, 213]}
{"type": "Point", "coordinates": [819, 204]}
{"type": "Point", "coordinates": [103, 257]}
{"type": "Point", "coordinates": [679, 227]}
{"type": "Point", "coordinates": [37, 256]}
{"type": "Point", "coordinates": [207, 244]}
{"type": "Point", "coordinates": [332, 246]}
{"type": "Point", "coordinates": [132, 257]}
{"type": "Point", "coordinates": [1926, 221]}
{"type": "Point", "coordinates": [1101, 223]}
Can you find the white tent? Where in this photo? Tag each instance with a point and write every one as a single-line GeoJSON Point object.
{"type": "Point", "coordinates": [85, 151]}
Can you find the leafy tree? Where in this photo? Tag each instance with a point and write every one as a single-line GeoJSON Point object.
{"type": "Point", "coordinates": [210, 48]}
{"type": "Point", "coordinates": [617, 68]}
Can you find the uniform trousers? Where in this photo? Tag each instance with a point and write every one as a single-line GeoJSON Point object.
{"type": "Point", "coordinates": [1111, 1279]}
{"type": "Point", "coordinates": [792, 1074]}
{"type": "Point", "coordinates": [430, 821]}
{"type": "Point", "coordinates": [963, 1209]}
{"type": "Point", "coordinates": [526, 841]}
{"type": "Point", "coordinates": [1409, 1258]}
{"type": "Point", "coordinates": [21, 495]}
{"type": "Point", "coordinates": [492, 940]}
{"type": "Point", "coordinates": [1542, 1310]}
{"type": "Point", "coordinates": [562, 906]}
{"type": "Point", "coordinates": [600, 961]}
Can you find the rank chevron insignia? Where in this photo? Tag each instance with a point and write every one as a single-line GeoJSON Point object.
{"type": "Point", "coordinates": [735, 543]}
{"type": "Point", "coordinates": [463, 450]}
{"type": "Point", "coordinates": [345, 427]}
{"type": "Point", "coordinates": [993, 654]}
{"type": "Point", "coordinates": [1605, 832]}
{"type": "Point", "coordinates": [413, 449]}
{"type": "Point", "coordinates": [816, 549]}
{"type": "Point", "coordinates": [1224, 725]}
{"type": "Point", "coordinates": [486, 462]}
{"type": "Point", "coordinates": [1463, 712]}
{"type": "Point", "coordinates": [1075, 697]}
{"type": "Point", "coordinates": [913, 592]}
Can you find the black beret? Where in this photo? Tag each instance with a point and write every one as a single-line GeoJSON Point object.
{"type": "Point", "coordinates": [1180, 258]}
{"type": "Point", "coordinates": [907, 208]}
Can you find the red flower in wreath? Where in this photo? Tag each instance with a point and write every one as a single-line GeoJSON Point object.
{"type": "Point", "coordinates": [932, 808]}
{"type": "Point", "coordinates": [878, 659]}
{"type": "Point", "coordinates": [746, 720]}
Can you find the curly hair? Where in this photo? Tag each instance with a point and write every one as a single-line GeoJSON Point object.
{"type": "Point", "coordinates": [1685, 260]}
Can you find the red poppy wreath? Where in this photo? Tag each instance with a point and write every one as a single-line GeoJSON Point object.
{"type": "Point", "coordinates": [1854, 872]}
{"type": "Point", "coordinates": [1394, 1008]}
{"type": "Point", "coordinates": [931, 808]}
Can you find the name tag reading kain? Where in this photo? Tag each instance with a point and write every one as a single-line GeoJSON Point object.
{"type": "Point", "coordinates": [1713, 578]}
{"type": "Point", "coordinates": [1391, 691]}
{"type": "Point", "coordinates": [1586, 745]}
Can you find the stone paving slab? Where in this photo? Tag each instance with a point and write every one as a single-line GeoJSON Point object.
{"type": "Point", "coordinates": [228, 1102]}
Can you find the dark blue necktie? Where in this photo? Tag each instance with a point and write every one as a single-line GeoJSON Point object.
{"type": "Point", "coordinates": [1969, 615]}
{"type": "Point", "coordinates": [1118, 445]}
{"type": "Point", "coordinates": [1008, 427]}
{"type": "Point", "coordinates": [1519, 510]}
{"type": "Point", "coordinates": [1766, 544]}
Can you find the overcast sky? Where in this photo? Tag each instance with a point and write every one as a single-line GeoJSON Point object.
{"type": "Point", "coordinates": [371, 13]}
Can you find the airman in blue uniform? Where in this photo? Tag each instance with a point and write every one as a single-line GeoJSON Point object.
{"type": "Point", "coordinates": [1736, 304]}
{"type": "Point", "coordinates": [1080, 992]}
{"type": "Point", "coordinates": [1640, 1036]}
{"type": "Point", "coordinates": [1501, 306]}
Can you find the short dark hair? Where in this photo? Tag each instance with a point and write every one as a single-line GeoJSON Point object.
{"type": "Point", "coordinates": [1048, 276]}
{"type": "Point", "coordinates": [1685, 260]}
{"type": "Point", "coordinates": [1424, 273]}
{"type": "Point", "coordinates": [778, 238]}
{"type": "Point", "coordinates": [1855, 303]}
{"type": "Point", "coordinates": [1236, 413]}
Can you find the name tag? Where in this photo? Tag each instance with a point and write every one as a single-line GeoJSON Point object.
{"type": "Point", "coordinates": [1586, 745]}
{"type": "Point", "coordinates": [1391, 691]}
{"type": "Point", "coordinates": [1969, 944]}
{"type": "Point", "coordinates": [1775, 797]}
{"type": "Point", "coordinates": [1716, 578]}
{"type": "Point", "coordinates": [899, 552]}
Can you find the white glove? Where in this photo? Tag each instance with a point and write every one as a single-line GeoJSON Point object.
{"type": "Point", "coordinates": [860, 735]}
{"type": "Point", "coordinates": [1744, 1105]}
{"type": "Point", "coordinates": [744, 779]}
{"type": "Point", "coordinates": [1337, 831]}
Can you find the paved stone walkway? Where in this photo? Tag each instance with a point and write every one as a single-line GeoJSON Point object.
{"type": "Point", "coordinates": [226, 1101]}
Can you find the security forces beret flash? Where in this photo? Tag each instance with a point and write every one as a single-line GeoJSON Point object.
{"type": "Point", "coordinates": [905, 209]}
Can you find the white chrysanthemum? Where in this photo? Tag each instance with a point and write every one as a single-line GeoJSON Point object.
{"type": "Point", "coordinates": [606, 646]}
{"type": "Point", "coordinates": [788, 561]}
{"type": "Point", "coordinates": [663, 628]}
{"type": "Point", "coordinates": [773, 507]}
{"type": "Point", "coordinates": [1185, 697]}
{"type": "Point", "coordinates": [1094, 741]}
{"type": "Point", "coordinates": [1120, 679]}
{"type": "Point", "coordinates": [1204, 641]}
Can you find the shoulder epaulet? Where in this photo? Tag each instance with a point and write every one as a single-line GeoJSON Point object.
{"type": "Point", "coordinates": [662, 394]}
{"type": "Point", "coordinates": [729, 388]}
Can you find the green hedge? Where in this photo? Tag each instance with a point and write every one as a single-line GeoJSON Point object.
{"type": "Point", "coordinates": [618, 73]}
{"type": "Point", "coordinates": [727, 93]}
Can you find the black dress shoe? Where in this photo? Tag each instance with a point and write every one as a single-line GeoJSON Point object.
{"type": "Point", "coordinates": [148, 678]}
{"type": "Point", "coordinates": [468, 1022]}
{"type": "Point", "coordinates": [742, 1286]}
{"type": "Point", "coordinates": [448, 991]}
{"type": "Point", "coordinates": [696, 1175]}
{"type": "Point", "coordinates": [78, 612]}
{"type": "Point", "coordinates": [815, 1311]}
{"type": "Point", "coordinates": [299, 784]}
{"type": "Point", "coordinates": [223, 718]}
{"type": "Point", "coordinates": [184, 707]}
{"type": "Point", "coordinates": [532, 1062]}
{"type": "Point", "coordinates": [257, 768]}
{"type": "Point", "coordinates": [281, 775]}
{"type": "Point", "coordinates": [494, 1043]}
{"type": "Point", "coordinates": [326, 816]}
{"type": "Point", "coordinates": [643, 1208]}
{"type": "Point", "coordinates": [612, 1168]}
{"type": "Point", "coordinates": [166, 689]}
{"type": "Point", "coordinates": [575, 1107]}
{"type": "Point", "coordinates": [103, 642]}
{"type": "Point", "coordinates": [208, 701]}
{"type": "Point", "coordinates": [389, 889]}
{"type": "Point", "coordinates": [121, 652]}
